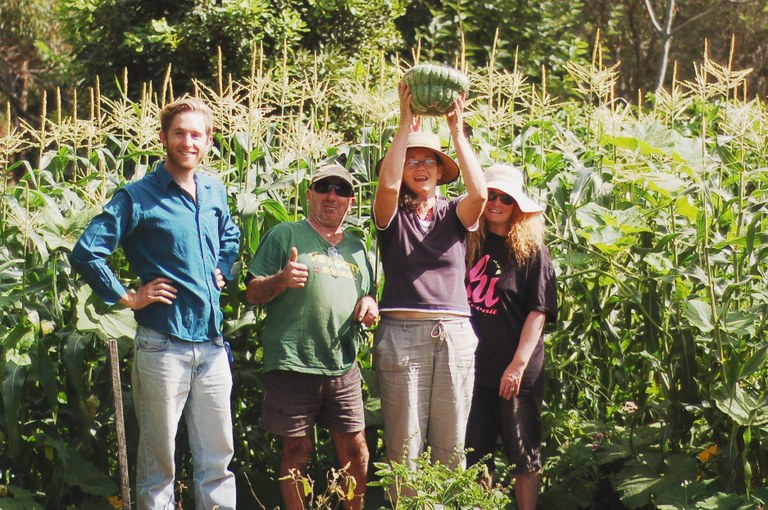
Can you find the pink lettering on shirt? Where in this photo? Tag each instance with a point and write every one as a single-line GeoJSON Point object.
{"type": "Point", "coordinates": [481, 289]}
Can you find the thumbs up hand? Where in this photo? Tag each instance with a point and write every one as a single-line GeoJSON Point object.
{"type": "Point", "coordinates": [294, 275]}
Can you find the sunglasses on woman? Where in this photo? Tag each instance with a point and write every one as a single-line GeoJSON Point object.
{"type": "Point", "coordinates": [342, 190]}
{"type": "Point", "coordinates": [505, 199]}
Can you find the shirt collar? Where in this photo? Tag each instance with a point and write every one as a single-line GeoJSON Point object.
{"type": "Point", "coordinates": [164, 178]}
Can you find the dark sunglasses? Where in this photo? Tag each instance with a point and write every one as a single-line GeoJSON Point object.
{"type": "Point", "coordinates": [342, 190]}
{"type": "Point", "coordinates": [505, 199]}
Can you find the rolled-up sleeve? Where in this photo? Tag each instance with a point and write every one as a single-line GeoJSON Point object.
{"type": "Point", "coordinates": [229, 241]}
{"type": "Point", "coordinates": [99, 240]}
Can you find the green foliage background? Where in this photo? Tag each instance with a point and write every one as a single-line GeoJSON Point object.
{"type": "Point", "coordinates": [656, 390]}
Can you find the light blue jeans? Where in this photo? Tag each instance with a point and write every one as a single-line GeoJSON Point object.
{"type": "Point", "coordinates": [172, 377]}
{"type": "Point", "coordinates": [426, 373]}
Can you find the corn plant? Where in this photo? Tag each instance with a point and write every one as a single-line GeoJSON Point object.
{"type": "Point", "coordinates": [656, 385]}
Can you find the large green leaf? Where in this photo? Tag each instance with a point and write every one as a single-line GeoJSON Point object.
{"type": "Point", "coordinates": [13, 382]}
{"type": "Point", "coordinates": [73, 357]}
{"type": "Point", "coordinates": [649, 480]}
{"type": "Point", "coordinates": [742, 407]}
{"type": "Point", "coordinates": [722, 501]}
{"type": "Point", "coordinates": [754, 363]}
{"type": "Point", "coordinates": [46, 374]}
{"type": "Point", "coordinates": [20, 338]}
{"type": "Point", "coordinates": [741, 323]}
{"type": "Point", "coordinates": [19, 499]}
{"type": "Point", "coordinates": [700, 315]}
{"type": "Point", "coordinates": [78, 471]}
{"type": "Point", "coordinates": [107, 323]}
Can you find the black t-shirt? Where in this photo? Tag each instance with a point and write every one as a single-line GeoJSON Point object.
{"type": "Point", "coordinates": [501, 295]}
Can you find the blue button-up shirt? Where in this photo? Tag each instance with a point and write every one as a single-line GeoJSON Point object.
{"type": "Point", "coordinates": [165, 233]}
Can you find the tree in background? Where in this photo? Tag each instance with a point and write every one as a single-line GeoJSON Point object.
{"type": "Point", "coordinates": [650, 36]}
{"type": "Point", "coordinates": [146, 36]}
{"type": "Point", "coordinates": [29, 43]}
{"type": "Point", "coordinates": [48, 42]}
{"type": "Point", "coordinates": [530, 35]}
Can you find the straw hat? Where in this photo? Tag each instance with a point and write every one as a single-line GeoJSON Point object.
{"type": "Point", "coordinates": [425, 140]}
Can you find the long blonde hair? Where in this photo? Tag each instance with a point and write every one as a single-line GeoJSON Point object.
{"type": "Point", "coordinates": [526, 235]}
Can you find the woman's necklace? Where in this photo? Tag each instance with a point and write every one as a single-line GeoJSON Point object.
{"type": "Point", "coordinates": [425, 218]}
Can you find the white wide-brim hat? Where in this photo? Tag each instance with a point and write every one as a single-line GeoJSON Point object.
{"type": "Point", "coordinates": [509, 179]}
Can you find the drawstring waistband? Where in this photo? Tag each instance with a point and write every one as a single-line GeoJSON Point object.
{"type": "Point", "coordinates": [438, 331]}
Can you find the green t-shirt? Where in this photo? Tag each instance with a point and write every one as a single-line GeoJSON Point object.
{"type": "Point", "coordinates": [311, 330]}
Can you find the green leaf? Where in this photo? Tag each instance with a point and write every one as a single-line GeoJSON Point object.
{"type": "Point", "coordinates": [700, 314]}
{"type": "Point", "coordinates": [754, 363]}
{"type": "Point", "coordinates": [79, 472]}
{"type": "Point", "coordinates": [46, 374]}
{"type": "Point", "coordinates": [83, 474]}
{"type": "Point", "coordinates": [20, 338]}
{"type": "Point", "coordinates": [277, 210]}
{"type": "Point", "coordinates": [115, 322]}
{"type": "Point", "coordinates": [647, 480]}
{"type": "Point", "coordinates": [721, 501]}
{"type": "Point", "coordinates": [73, 358]}
{"type": "Point", "coordinates": [19, 499]}
{"type": "Point", "coordinates": [659, 263]}
{"type": "Point", "coordinates": [13, 383]}
{"type": "Point", "coordinates": [740, 323]}
{"type": "Point", "coordinates": [740, 406]}
{"type": "Point", "coordinates": [685, 206]}
{"type": "Point", "coordinates": [666, 184]}
{"type": "Point", "coordinates": [608, 240]}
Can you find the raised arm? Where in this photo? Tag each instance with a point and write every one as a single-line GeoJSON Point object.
{"type": "Point", "coordinates": [391, 170]}
{"type": "Point", "coordinates": [471, 207]}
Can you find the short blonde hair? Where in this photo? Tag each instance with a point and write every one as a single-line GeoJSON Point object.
{"type": "Point", "coordinates": [186, 104]}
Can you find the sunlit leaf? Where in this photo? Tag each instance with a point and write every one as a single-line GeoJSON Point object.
{"type": "Point", "coordinates": [700, 315]}
{"type": "Point", "coordinates": [740, 406]}
{"type": "Point", "coordinates": [685, 207]}
{"type": "Point", "coordinates": [648, 480]}
{"type": "Point", "coordinates": [740, 323]}
{"type": "Point", "coordinates": [107, 323]}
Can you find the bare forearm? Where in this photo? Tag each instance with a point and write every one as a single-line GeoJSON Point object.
{"type": "Point", "coordinates": [471, 206]}
{"type": "Point", "coordinates": [263, 289]}
{"type": "Point", "coordinates": [509, 386]}
{"type": "Point", "coordinates": [391, 171]}
{"type": "Point", "coordinates": [390, 178]}
{"type": "Point", "coordinates": [529, 338]}
{"type": "Point", "coordinates": [471, 171]}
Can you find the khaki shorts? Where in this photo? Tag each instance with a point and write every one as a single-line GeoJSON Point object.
{"type": "Point", "coordinates": [294, 402]}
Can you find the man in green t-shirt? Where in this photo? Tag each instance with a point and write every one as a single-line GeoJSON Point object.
{"type": "Point", "coordinates": [317, 285]}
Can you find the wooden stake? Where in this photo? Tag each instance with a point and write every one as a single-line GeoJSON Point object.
{"type": "Point", "coordinates": [122, 455]}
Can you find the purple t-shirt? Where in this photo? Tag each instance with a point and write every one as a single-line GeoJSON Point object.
{"type": "Point", "coordinates": [424, 270]}
{"type": "Point", "coordinates": [501, 295]}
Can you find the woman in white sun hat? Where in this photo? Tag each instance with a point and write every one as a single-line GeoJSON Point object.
{"type": "Point", "coordinates": [512, 293]}
{"type": "Point", "coordinates": [424, 345]}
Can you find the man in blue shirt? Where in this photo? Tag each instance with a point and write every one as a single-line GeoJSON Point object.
{"type": "Point", "coordinates": [176, 231]}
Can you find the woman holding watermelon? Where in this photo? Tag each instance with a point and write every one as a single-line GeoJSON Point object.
{"type": "Point", "coordinates": [424, 345]}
